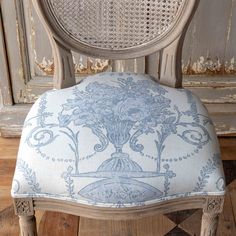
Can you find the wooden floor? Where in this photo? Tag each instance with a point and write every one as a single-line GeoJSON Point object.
{"type": "Point", "coordinates": [176, 224]}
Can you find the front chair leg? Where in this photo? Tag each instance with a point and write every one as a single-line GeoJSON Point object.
{"type": "Point", "coordinates": [210, 217]}
{"type": "Point", "coordinates": [25, 210]}
{"type": "Point", "coordinates": [209, 224]}
{"type": "Point", "coordinates": [28, 225]}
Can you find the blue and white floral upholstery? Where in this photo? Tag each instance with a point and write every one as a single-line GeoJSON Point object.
{"type": "Point", "coordinates": [118, 140]}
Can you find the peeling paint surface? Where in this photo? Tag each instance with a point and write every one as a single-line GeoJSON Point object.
{"type": "Point", "coordinates": [209, 55]}
{"type": "Point", "coordinates": [203, 66]}
{"type": "Point", "coordinates": [92, 66]}
{"type": "Point", "coordinates": [208, 66]}
{"type": "Point", "coordinates": [47, 66]}
{"type": "Point", "coordinates": [26, 96]}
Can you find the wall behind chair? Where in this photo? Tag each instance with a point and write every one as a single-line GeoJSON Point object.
{"type": "Point", "coordinates": [210, 44]}
{"type": "Point", "coordinates": [209, 48]}
{"type": "Point", "coordinates": [26, 64]}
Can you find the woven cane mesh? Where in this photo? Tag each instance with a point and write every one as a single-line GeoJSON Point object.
{"type": "Point", "coordinates": [115, 24]}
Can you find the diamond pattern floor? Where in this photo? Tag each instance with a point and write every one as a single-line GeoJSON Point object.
{"type": "Point", "coordinates": [187, 222]}
{"type": "Point", "coordinates": [177, 232]}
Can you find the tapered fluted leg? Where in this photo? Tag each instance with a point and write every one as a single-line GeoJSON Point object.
{"type": "Point", "coordinates": [25, 210]}
{"type": "Point", "coordinates": [28, 225]}
{"type": "Point", "coordinates": [210, 217]}
{"type": "Point", "coordinates": [209, 224]}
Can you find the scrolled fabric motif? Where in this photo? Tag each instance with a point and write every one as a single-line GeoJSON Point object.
{"type": "Point", "coordinates": [197, 137]}
{"type": "Point", "coordinates": [117, 117]}
{"type": "Point", "coordinates": [39, 137]}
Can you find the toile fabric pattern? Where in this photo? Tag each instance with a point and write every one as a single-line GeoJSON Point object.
{"type": "Point", "coordinates": [118, 140]}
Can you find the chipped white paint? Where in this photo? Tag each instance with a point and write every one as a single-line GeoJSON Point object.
{"type": "Point", "coordinates": [209, 66]}
{"type": "Point", "coordinates": [47, 66]}
{"type": "Point", "coordinates": [26, 96]}
{"type": "Point", "coordinates": [230, 67]}
{"type": "Point", "coordinates": [230, 98]}
{"type": "Point", "coordinates": [222, 129]}
{"type": "Point", "coordinates": [21, 74]}
{"type": "Point", "coordinates": [92, 66]}
{"type": "Point", "coordinates": [210, 49]}
{"type": "Point", "coordinates": [229, 27]}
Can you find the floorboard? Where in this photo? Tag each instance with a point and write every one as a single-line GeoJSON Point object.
{"type": "Point", "coordinates": [54, 223]}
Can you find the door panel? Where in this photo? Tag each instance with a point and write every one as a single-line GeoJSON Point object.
{"type": "Point", "coordinates": [26, 63]}
{"type": "Point", "coordinates": [209, 47]}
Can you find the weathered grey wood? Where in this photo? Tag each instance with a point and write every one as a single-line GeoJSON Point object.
{"type": "Point", "coordinates": [223, 116]}
{"type": "Point", "coordinates": [64, 73]}
{"type": "Point", "coordinates": [12, 119]}
{"type": "Point", "coordinates": [152, 62]}
{"type": "Point", "coordinates": [25, 210]}
{"type": "Point", "coordinates": [39, 49]}
{"type": "Point", "coordinates": [5, 86]}
{"type": "Point", "coordinates": [212, 34]}
{"type": "Point", "coordinates": [23, 44]}
{"type": "Point", "coordinates": [209, 224]}
{"type": "Point", "coordinates": [23, 206]}
{"type": "Point", "coordinates": [200, 27]}
{"type": "Point", "coordinates": [171, 43]}
{"type": "Point", "coordinates": [11, 24]}
{"type": "Point", "coordinates": [106, 213]}
{"type": "Point", "coordinates": [171, 57]}
{"type": "Point", "coordinates": [209, 89]}
{"type": "Point", "coordinates": [118, 65]}
{"type": "Point", "coordinates": [136, 65]}
{"type": "Point", "coordinates": [207, 37]}
{"type": "Point", "coordinates": [170, 68]}
{"type": "Point", "coordinates": [230, 49]}
{"type": "Point", "coordinates": [211, 211]}
{"type": "Point", "coordinates": [28, 225]}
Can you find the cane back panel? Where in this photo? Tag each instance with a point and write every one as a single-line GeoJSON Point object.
{"type": "Point", "coordinates": [116, 24]}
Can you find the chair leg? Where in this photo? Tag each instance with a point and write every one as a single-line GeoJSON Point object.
{"type": "Point", "coordinates": [209, 224]}
{"type": "Point", "coordinates": [25, 210]}
{"type": "Point", "coordinates": [28, 225]}
{"type": "Point", "coordinates": [210, 217]}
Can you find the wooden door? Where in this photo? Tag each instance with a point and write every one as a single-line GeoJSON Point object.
{"type": "Point", "coordinates": [26, 63]}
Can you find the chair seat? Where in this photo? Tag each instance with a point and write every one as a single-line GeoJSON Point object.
{"type": "Point", "coordinates": [118, 140]}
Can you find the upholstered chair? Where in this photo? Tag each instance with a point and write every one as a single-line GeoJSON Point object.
{"type": "Point", "coordinates": [118, 145]}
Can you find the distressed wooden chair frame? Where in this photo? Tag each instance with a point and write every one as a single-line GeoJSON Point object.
{"type": "Point", "coordinates": [170, 47]}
